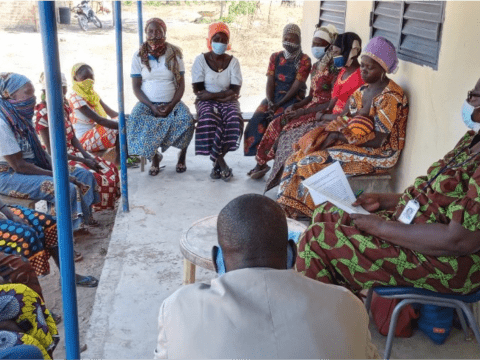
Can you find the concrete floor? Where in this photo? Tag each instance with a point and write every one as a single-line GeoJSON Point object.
{"type": "Point", "coordinates": [144, 264]}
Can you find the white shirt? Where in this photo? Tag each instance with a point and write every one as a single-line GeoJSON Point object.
{"type": "Point", "coordinates": [10, 145]}
{"type": "Point", "coordinates": [263, 313]}
{"type": "Point", "coordinates": [216, 82]}
{"type": "Point", "coordinates": [159, 84]}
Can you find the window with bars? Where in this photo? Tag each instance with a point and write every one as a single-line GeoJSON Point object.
{"type": "Point", "coordinates": [414, 27]}
{"type": "Point", "coordinates": [333, 12]}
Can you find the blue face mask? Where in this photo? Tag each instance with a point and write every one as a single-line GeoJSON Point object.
{"type": "Point", "coordinates": [318, 52]}
{"type": "Point", "coordinates": [339, 61]}
{"type": "Point", "coordinates": [219, 48]}
{"type": "Point", "coordinates": [467, 112]}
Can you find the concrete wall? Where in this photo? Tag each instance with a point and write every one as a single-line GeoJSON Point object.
{"type": "Point", "coordinates": [18, 15]}
{"type": "Point", "coordinates": [435, 96]}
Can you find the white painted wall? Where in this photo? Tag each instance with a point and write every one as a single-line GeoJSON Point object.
{"type": "Point", "coordinates": [435, 96]}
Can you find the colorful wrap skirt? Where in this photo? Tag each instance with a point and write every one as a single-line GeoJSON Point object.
{"type": "Point", "coordinates": [146, 132]}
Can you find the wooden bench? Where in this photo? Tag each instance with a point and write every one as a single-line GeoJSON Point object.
{"type": "Point", "coordinates": [246, 117]}
{"type": "Point", "coordinates": [28, 203]}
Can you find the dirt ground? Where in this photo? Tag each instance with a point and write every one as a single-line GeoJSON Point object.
{"type": "Point", "coordinates": [253, 39]}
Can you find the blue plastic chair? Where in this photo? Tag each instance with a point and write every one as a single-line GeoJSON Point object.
{"type": "Point", "coordinates": [409, 295]}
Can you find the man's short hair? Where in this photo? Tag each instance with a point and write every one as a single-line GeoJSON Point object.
{"type": "Point", "coordinates": [254, 225]}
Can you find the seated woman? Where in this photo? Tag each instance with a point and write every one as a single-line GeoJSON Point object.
{"type": "Point", "coordinates": [105, 173]}
{"type": "Point", "coordinates": [367, 139]}
{"type": "Point", "coordinates": [25, 169]}
{"type": "Point", "coordinates": [33, 235]}
{"type": "Point", "coordinates": [160, 118]}
{"type": "Point", "coordinates": [436, 248]}
{"type": "Point", "coordinates": [90, 114]}
{"type": "Point", "coordinates": [301, 114]}
{"type": "Point", "coordinates": [286, 76]}
{"type": "Point", "coordinates": [217, 80]}
{"type": "Point", "coordinates": [26, 321]}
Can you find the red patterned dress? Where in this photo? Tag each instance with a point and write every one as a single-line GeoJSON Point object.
{"type": "Point", "coordinates": [107, 178]}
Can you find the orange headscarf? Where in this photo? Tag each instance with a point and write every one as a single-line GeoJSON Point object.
{"type": "Point", "coordinates": [216, 28]}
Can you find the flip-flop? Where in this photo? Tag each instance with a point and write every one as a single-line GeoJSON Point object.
{"type": "Point", "coordinates": [260, 173]}
{"type": "Point", "coordinates": [181, 168]}
{"type": "Point", "coordinates": [56, 317]}
{"type": "Point", "coordinates": [77, 256]}
{"type": "Point", "coordinates": [154, 170]}
{"type": "Point", "coordinates": [215, 174]}
{"type": "Point", "coordinates": [87, 281]}
{"type": "Point", "coordinates": [226, 175]}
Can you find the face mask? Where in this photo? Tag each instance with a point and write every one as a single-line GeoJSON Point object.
{"type": "Point", "coordinates": [318, 52]}
{"type": "Point", "coordinates": [25, 108]}
{"type": "Point", "coordinates": [156, 43]}
{"type": "Point", "coordinates": [467, 112]}
{"type": "Point", "coordinates": [86, 85]}
{"type": "Point", "coordinates": [219, 261]}
{"type": "Point", "coordinates": [219, 48]}
{"type": "Point", "coordinates": [290, 47]}
{"type": "Point", "coordinates": [339, 61]}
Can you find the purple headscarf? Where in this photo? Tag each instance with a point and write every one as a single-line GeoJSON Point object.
{"type": "Point", "coordinates": [383, 52]}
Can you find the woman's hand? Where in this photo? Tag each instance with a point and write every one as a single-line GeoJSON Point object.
{"type": "Point", "coordinates": [165, 110]}
{"type": "Point", "coordinates": [319, 115]}
{"type": "Point", "coordinates": [203, 95]}
{"type": "Point", "coordinates": [92, 164]}
{"type": "Point", "coordinates": [370, 224]}
{"type": "Point", "coordinates": [19, 220]}
{"type": "Point", "coordinates": [155, 111]}
{"type": "Point", "coordinates": [370, 202]}
{"type": "Point", "coordinates": [293, 114]}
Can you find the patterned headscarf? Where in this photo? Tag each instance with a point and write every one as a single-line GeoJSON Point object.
{"type": "Point", "coordinates": [41, 81]}
{"type": "Point", "coordinates": [170, 51]}
{"type": "Point", "coordinates": [328, 33]}
{"type": "Point", "coordinates": [18, 115]}
{"type": "Point", "coordinates": [383, 52]}
{"type": "Point", "coordinates": [215, 28]}
{"type": "Point", "coordinates": [85, 90]}
{"type": "Point", "coordinates": [297, 54]}
{"type": "Point", "coordinates": [350, 45]}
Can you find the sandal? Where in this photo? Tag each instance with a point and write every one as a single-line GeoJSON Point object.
{"type": "Point", "coordinates": [154, 170]}
{"type": "Point", "coordinates": [56, 317]}
{"type": "Point", "coordinates": [216, 173]}
{"type": "Point", "coordinates": [87, 281]}
{"type": "Point", "coordinates": [181, 168]}
{"type": "Point", "coordinates": [77, 256]}
{"type": "Point", "coordinates": [256, 175]}
{"type": "Point", "coordinates": [226, 174]}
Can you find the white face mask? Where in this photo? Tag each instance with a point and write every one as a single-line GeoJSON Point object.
{"type": "Point", "coordinates": [467, 112]}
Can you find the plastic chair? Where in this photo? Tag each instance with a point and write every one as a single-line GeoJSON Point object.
{"type": "Point", "coordinates": [409, 295]}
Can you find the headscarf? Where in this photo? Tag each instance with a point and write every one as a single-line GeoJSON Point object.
{"type": "Point", "coordinates": [383, 52]}
{"type": "Point", "coordinates": [215, 28]}
{"type": "Point", "coordinates": [41, 81]}
{"type": "Point", "coordinates": [350, 45]}
{"type": "Point", "coordinates": [328, 33]}
{"type": "Point", "coordinates": [18, 115]}
{"type": "Point", "coordinates": [170, 51]}
{"type": "Point", "coordinates": [85, 90]}
{"type": "Point", "coordinates": [297, 54]}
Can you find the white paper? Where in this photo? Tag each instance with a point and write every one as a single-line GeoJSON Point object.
{"type": "Point", "coordinates": [331, 184]}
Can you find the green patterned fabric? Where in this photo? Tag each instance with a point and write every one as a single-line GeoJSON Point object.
{"type": "Point", "coordinates": [333, 250]}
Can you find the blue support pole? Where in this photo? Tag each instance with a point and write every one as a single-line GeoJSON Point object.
{"type": "Point", "coordinates": [140, 22]}
{"type": "Point", "coordinates": [121, 104]}
{"type": "Point", "coordinates": [53, 81]}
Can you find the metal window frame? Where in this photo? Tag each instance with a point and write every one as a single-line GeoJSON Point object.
{"type": "Point", "coordinates": [403, 56]}
{"type": "Point", "coordinates": [344, 15]}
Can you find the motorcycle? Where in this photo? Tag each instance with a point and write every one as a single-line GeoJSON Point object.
{"type": "Point", "coordinates": [85, 14]}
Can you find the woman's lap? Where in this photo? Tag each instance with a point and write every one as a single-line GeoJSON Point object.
{"type": "Point", "coordinates": [219, 128]}
{"type": "Point", "coordinates": [333, 250]}
{"type": "Point", "coordinates": [146, 133]}
{"type": "Point", "coordinates": [99, 138]}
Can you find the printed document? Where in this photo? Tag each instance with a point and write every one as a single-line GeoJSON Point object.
{"type": "Point", "coordinates": [331, 184]}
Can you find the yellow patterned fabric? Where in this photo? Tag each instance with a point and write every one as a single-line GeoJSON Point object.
{"type": "Point", "coordinates": [26, 308]}
{"type": "Point", "coordinates": [85, 90]}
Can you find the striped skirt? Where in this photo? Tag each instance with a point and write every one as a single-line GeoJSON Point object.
{"type": "Point", "coordinates": [219, 128]}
